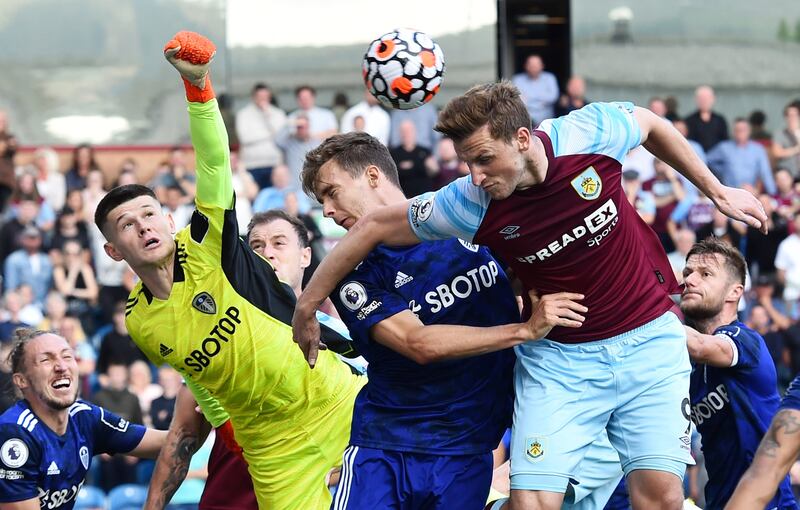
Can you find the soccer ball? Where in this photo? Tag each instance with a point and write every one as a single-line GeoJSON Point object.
{"type": "Point", "coordinates": [403, 69]}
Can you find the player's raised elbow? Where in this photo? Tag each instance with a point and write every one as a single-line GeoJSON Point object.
{"type": "Point", "coordinates": [699, 351]}
{"type": "Point", "coordinates": [710, 353]}
{"type": "Point", "coordinates": [696, 350]}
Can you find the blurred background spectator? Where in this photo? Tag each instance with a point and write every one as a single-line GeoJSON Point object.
{"type": "Point", "coordinates": [257, 126]}
{"type": "Point", "coordinates": [416, 165]}
{"type": "Point", "coordinates": [375, 119]}
{"type": "Point", "coordinates": [706, 126]}
{"type": "Point", "coordinates": [539, 89]}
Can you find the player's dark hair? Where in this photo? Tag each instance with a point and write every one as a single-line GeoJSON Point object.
{"type": "Point", "coordinates": [497, 104]}
{"type": "Point", "coordinates": [266, 217]}
{"type": "Point", "coordinates": [117, 197]}
{"type": "Point", "coordinates": [354, 152]}
{"type": "Point", "coordinates": [20, 339]}
{"type": "Point", "coordinates": [732, 259]}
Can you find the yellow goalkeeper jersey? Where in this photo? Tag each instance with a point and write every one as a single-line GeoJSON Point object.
{"type": "Point", "coordinates": [226, 326]}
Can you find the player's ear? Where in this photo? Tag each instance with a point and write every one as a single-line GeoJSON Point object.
{"type": "Point", "coordinates": [112, 252]}
{"type": "Point", "coordinates": [523, 139]}
{"type": "Point", "coordinates": [305, 257]}
{"type": "Point", "coordinates": [373, 175]}
{"type": "Point", "coordinates": [735, 292]}
{"type": "Point", "coordinates": [20, 381]}
{"type": "Point", "coordinates": [171, 223]}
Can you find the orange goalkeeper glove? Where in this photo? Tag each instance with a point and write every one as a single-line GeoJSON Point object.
{"type": "Point", "coordinates": [191, 54]}
{"type": "Point", "coordinates": [225, 432]}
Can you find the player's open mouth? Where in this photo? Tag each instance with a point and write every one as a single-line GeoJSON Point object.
{"type": "Point", "coordinates": [151, 242]}
{"type": "Point", "coordinates": [62, 383]}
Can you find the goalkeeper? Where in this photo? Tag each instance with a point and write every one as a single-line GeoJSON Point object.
{"type": "Point", "coordinates": [216, 311]}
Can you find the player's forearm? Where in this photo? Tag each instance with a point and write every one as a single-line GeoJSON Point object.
{"type": "Point", "coordinates": [429, 344]}
{"type": "Point", "coordinates": [753, 491]}
{"type": "Point", "coordinates": [693, 343]}
{"type": "Point", "coordinates": [171, 467]}
{"type": "Point", "coordinates": [708, 349]}
{"type": "Point", "coordinates": [387, 225]}
{"type": "Point", "coordinates": [28, 504]}
{"type": "Point", "coordinates": [775, 455]}
{"type": "Point", "coordinates": [151, 444]}
{"type": "Point", "coordinates": [210, 141]}
{"type": "Point", "coordinates": [668, 145]}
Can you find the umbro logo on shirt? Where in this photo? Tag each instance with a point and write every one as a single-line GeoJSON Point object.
{"type": "Point", "coordinates": [401, 279]}
{"type": "Point", "coordinates": [53, 469]}
{"type": "Point", "coordinates": [164, 350]}
{"type": "Point", "coordinates": [510, 232]}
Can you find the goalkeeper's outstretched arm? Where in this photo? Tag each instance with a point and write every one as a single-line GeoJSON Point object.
{"type": "Point", "coordinates": [191, 54]}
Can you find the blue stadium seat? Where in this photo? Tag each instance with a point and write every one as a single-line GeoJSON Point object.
{"type": "Point", "coordinates": [127, 497]}
{"type": "Point", "coordinates": [90, 498]}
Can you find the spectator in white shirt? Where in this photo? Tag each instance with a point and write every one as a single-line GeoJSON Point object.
{"type": "Point", "coordinates": [257, 126]}
{"type": "Point", "coordinates": [376, 120]}
{"type": "Point", "coordinates": [787, 262]}
{"type": "Point", "coordinates": [322, 121]}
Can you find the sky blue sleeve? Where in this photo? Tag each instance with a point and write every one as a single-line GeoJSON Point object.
{"type": "Point", "coordinates": [597, 128]}
{"type": "Point", "coordinates": [358, 363]}
{"type": "Point", "coordinates": [333, 323]}
{"type": "Point", "coordinates": [456, 210]}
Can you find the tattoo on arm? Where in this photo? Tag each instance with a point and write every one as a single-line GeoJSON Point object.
{"type": "Point", "coordinates": [182, 449]}
{"type": "Point", "coordinates": [787, 423]}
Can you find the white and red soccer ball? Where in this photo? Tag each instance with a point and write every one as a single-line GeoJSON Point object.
{"type": "Point", "coordinates": [403, 69]}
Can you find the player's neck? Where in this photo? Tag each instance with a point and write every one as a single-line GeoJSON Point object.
{"type": "Point", "coordinates": [389, 195]}
{"type": "Point", "coordinates": [708, 326]}
{"type": "Point", "coordinates": [158, 278]}
{"type": "Point", "coordinates": [536, 164]}
{"type": "Point", "coordinates": [55, 419]}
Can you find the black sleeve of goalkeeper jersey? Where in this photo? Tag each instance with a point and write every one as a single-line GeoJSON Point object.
{"type": "Point", "coordinates": [255, 280]}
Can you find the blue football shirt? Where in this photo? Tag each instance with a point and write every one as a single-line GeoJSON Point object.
{"type": "Point", "coordinates": [791, 400]}
{"type": "Point", "coordinates": [459, 407]}
{"type": "Point", "coordinates": [732, 408]}
{"type": "Point", "coordinates": [36, 462]}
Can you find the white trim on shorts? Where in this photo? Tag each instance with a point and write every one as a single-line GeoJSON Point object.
{"type": "Point", "coordinates": [346, 479]}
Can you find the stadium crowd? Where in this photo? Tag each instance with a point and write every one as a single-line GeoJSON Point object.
{"type": "Point", "coordinates": [56, 275]}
